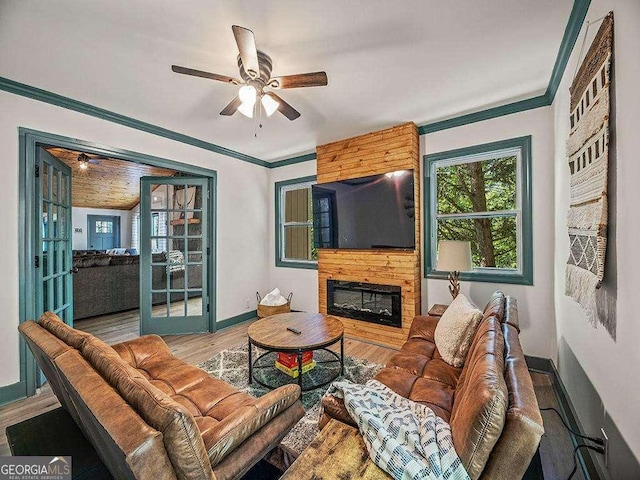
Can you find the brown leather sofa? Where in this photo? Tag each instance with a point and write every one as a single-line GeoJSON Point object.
{"type": "Point", "coordinates": [490, 403]}
{"type": "Point", "coordinates": [151, 416]}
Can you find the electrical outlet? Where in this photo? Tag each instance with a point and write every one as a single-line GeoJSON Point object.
{"type": "Point", "coordinates": [248, 304]}
{"type": "Point", "coordinates": [605, 446]}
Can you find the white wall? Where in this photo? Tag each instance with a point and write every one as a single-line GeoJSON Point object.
{"type": "Point", "coordinates": [242, 224]}
{"type": "Point", "coordinates": [610, 365]}
{"type": "Point", "coordinates": [535, 303]}
{"type": "Point", "coordinates": [79, 220]}
{"type": "Point", "coordinates": [302, 282]}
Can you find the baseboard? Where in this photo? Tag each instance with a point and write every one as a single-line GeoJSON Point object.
{"type": "Point", "coordinates": [243, 317]}
{"type": "Point", "coordinates": [13, 392]}
{"type": "Point", "coordinates": [546, 365]}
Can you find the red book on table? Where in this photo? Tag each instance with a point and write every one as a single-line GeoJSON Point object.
{"type": "Point", "coordinates": [291, 359]}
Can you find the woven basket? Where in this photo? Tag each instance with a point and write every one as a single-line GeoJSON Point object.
{"type": "Point", "coordinates": [268, 310]}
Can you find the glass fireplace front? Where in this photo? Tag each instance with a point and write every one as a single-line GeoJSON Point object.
{"type": "Point", "coordinates": [365, 301]}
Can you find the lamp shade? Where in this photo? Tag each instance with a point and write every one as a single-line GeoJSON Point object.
{"type": "Point", "coordinates": [270, 105]}
{"type": "Point", "coordinates": [454, 256]}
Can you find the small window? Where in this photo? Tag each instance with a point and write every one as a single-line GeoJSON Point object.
{"type": "Point", "coordinates": [482, 194]}
{"type": "Point", "coordinates": [104, 226]}
{"type": "Point", "coordinates": [294, 221]}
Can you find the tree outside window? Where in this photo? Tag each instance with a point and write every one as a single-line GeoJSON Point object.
{"type": "Point", "coordinates": [482, 194]}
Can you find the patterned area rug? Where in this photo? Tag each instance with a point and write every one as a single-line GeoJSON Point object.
{"type": "Point", "coordinates": [232, 366]}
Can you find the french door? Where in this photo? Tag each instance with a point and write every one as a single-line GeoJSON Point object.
{"type": "Point", "coordinates": [53, 259]}
{"type": "Point", "coordinates": [174, 255]}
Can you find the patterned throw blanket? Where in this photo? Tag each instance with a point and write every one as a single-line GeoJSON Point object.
{"type": "Point", "coordinates": [176, 261]}
{"type": "Point", "coordinates": [404, 438]}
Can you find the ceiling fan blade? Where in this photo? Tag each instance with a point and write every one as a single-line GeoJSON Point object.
{"type": "Point", "coordinates": [232, 107]}
{"type": "Point", "coordinates": [248, 52]}
{"type": "Point", "coordinates": [284, 108]}
{"type": "Point", "coordinates": [94, 161]}
{"type": "Point", "coordinates": [314, 79]}
{"type": "Point", "coordinates": [200, 73]}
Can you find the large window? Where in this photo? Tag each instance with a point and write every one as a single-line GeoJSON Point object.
{"type": "Point", "coordinates": [482, 194]}
{"type": "Point", "coordinates": [294, 224]}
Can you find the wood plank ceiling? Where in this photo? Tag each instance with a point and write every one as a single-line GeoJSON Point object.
{"type": "Point", "coordinates": [111, 183]}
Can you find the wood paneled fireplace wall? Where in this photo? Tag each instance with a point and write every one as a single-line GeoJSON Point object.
{"type": "Point", "coordinates": [396, 148]}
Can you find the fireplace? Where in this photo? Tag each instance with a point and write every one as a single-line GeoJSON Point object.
{"type": "Point", "coordinates": [365, 301]}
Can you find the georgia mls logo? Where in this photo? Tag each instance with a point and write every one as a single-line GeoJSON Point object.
{"type": "Point", "coordinates": [35, 468]}
{"type": "Point", "coordinates": [58, 465]}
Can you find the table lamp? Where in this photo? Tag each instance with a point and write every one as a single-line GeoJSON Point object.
{"type": "Point", "coordinates": [454, 256]}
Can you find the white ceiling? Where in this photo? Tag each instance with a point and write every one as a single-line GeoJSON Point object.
{"type": "Point", "coordinates": [387, 61]}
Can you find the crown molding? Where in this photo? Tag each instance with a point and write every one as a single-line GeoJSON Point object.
{"type": "Point", "coordinates": [51, 98]}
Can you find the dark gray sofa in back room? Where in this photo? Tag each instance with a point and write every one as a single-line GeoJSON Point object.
{"type": "Point", "coordinates": [107, 284]}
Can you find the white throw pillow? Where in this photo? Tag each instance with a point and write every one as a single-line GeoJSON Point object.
{"type": "Point", "coordinates": [456, 329]}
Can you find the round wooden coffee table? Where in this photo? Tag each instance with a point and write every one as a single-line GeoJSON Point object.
{"type": "Point", "coordinates": [317, 332]}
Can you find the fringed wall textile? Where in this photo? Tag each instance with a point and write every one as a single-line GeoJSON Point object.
{"type": "Point", "coordinates": [588, 155]}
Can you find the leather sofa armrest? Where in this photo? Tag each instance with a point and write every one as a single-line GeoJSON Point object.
{"type": "Point", "coordinates": [244, 422]}
{"type": "Point", "coordinates": [333, 407]}
{"type": "Point", "coordinates": [423, 327]}
{"type": "Point", "coordinates": [136, 351]}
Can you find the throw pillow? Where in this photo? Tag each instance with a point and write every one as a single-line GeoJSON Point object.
{"type": "Point", "coordinates": [456, 329]}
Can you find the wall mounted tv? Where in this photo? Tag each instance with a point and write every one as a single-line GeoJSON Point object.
{"type": "Point", "coordinates": [374, 212]}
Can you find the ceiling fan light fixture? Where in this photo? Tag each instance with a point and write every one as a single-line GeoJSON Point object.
{"type": "Point", "coordinates": [84, 165]}
{"type": "Point", "coordinates": [247, 109]}
{"type": "Point", "coordinates": [247, 94]}
{"type": "Point", "coordinates": [270, 105]}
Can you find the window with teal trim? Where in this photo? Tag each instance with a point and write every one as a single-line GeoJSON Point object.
{"type": "Point", "coordinates": [294, 224]}
{"type": "Point", "coordinates": [482, 194]}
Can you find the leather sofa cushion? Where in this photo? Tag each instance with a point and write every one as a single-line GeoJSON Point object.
{"type": "Point", "coordinates": [480, 404]}
{"type": "Point", "coordinates": [46, 348]}
{"type": "Point", "coordinates": [125, 441]}
{"type": "Point", "coordinates": [431, 382]}
{"type": "Point", "coordinates": [64, 332]}
{"type": "Point", "coordinates": [181, 435]}
{"type": "Point", "coordinates": [236, 427]}
{"type": "Point", "coordinates": [225, 416]}
{"type": "Point", "coordinates": [110, 422]}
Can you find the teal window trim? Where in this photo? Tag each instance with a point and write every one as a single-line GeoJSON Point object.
{"type": "Point", "coordinates": [525, 274]}
{"type": "Point", "coordinates": [280, 260]}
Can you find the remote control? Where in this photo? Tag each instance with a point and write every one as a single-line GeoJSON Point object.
{"type": "Point", "coordinates": [294, 330]}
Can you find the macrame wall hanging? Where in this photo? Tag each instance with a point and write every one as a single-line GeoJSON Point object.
{"type": "Point", "coordinates": [588, 157]}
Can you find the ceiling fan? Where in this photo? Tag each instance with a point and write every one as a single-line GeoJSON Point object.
{"type": "Point", "coordinates": [255, 71]}
{"type": "Point", "coordinates": [85, 160]}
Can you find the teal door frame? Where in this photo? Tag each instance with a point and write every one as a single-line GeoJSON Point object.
{"type": "Point", "coordinates": [28, 141]}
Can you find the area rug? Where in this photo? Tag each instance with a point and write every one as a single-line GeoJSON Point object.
{"type": "Point", "coordinates": [232, 366]}
{"type": "Point", "coordinates": [588, 157]}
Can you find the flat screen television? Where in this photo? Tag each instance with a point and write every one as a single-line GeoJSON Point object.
{"type": "Point", "coordinates": [375, 212]}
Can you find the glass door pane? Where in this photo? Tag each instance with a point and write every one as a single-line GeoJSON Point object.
{"type": "Point", "coordinates": [53, 276]}
{"type": "Point", "coordinates": [173, 255]}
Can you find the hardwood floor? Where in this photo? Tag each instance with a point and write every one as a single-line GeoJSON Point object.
{"type": "Point", "coordinates": [555, 447]}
